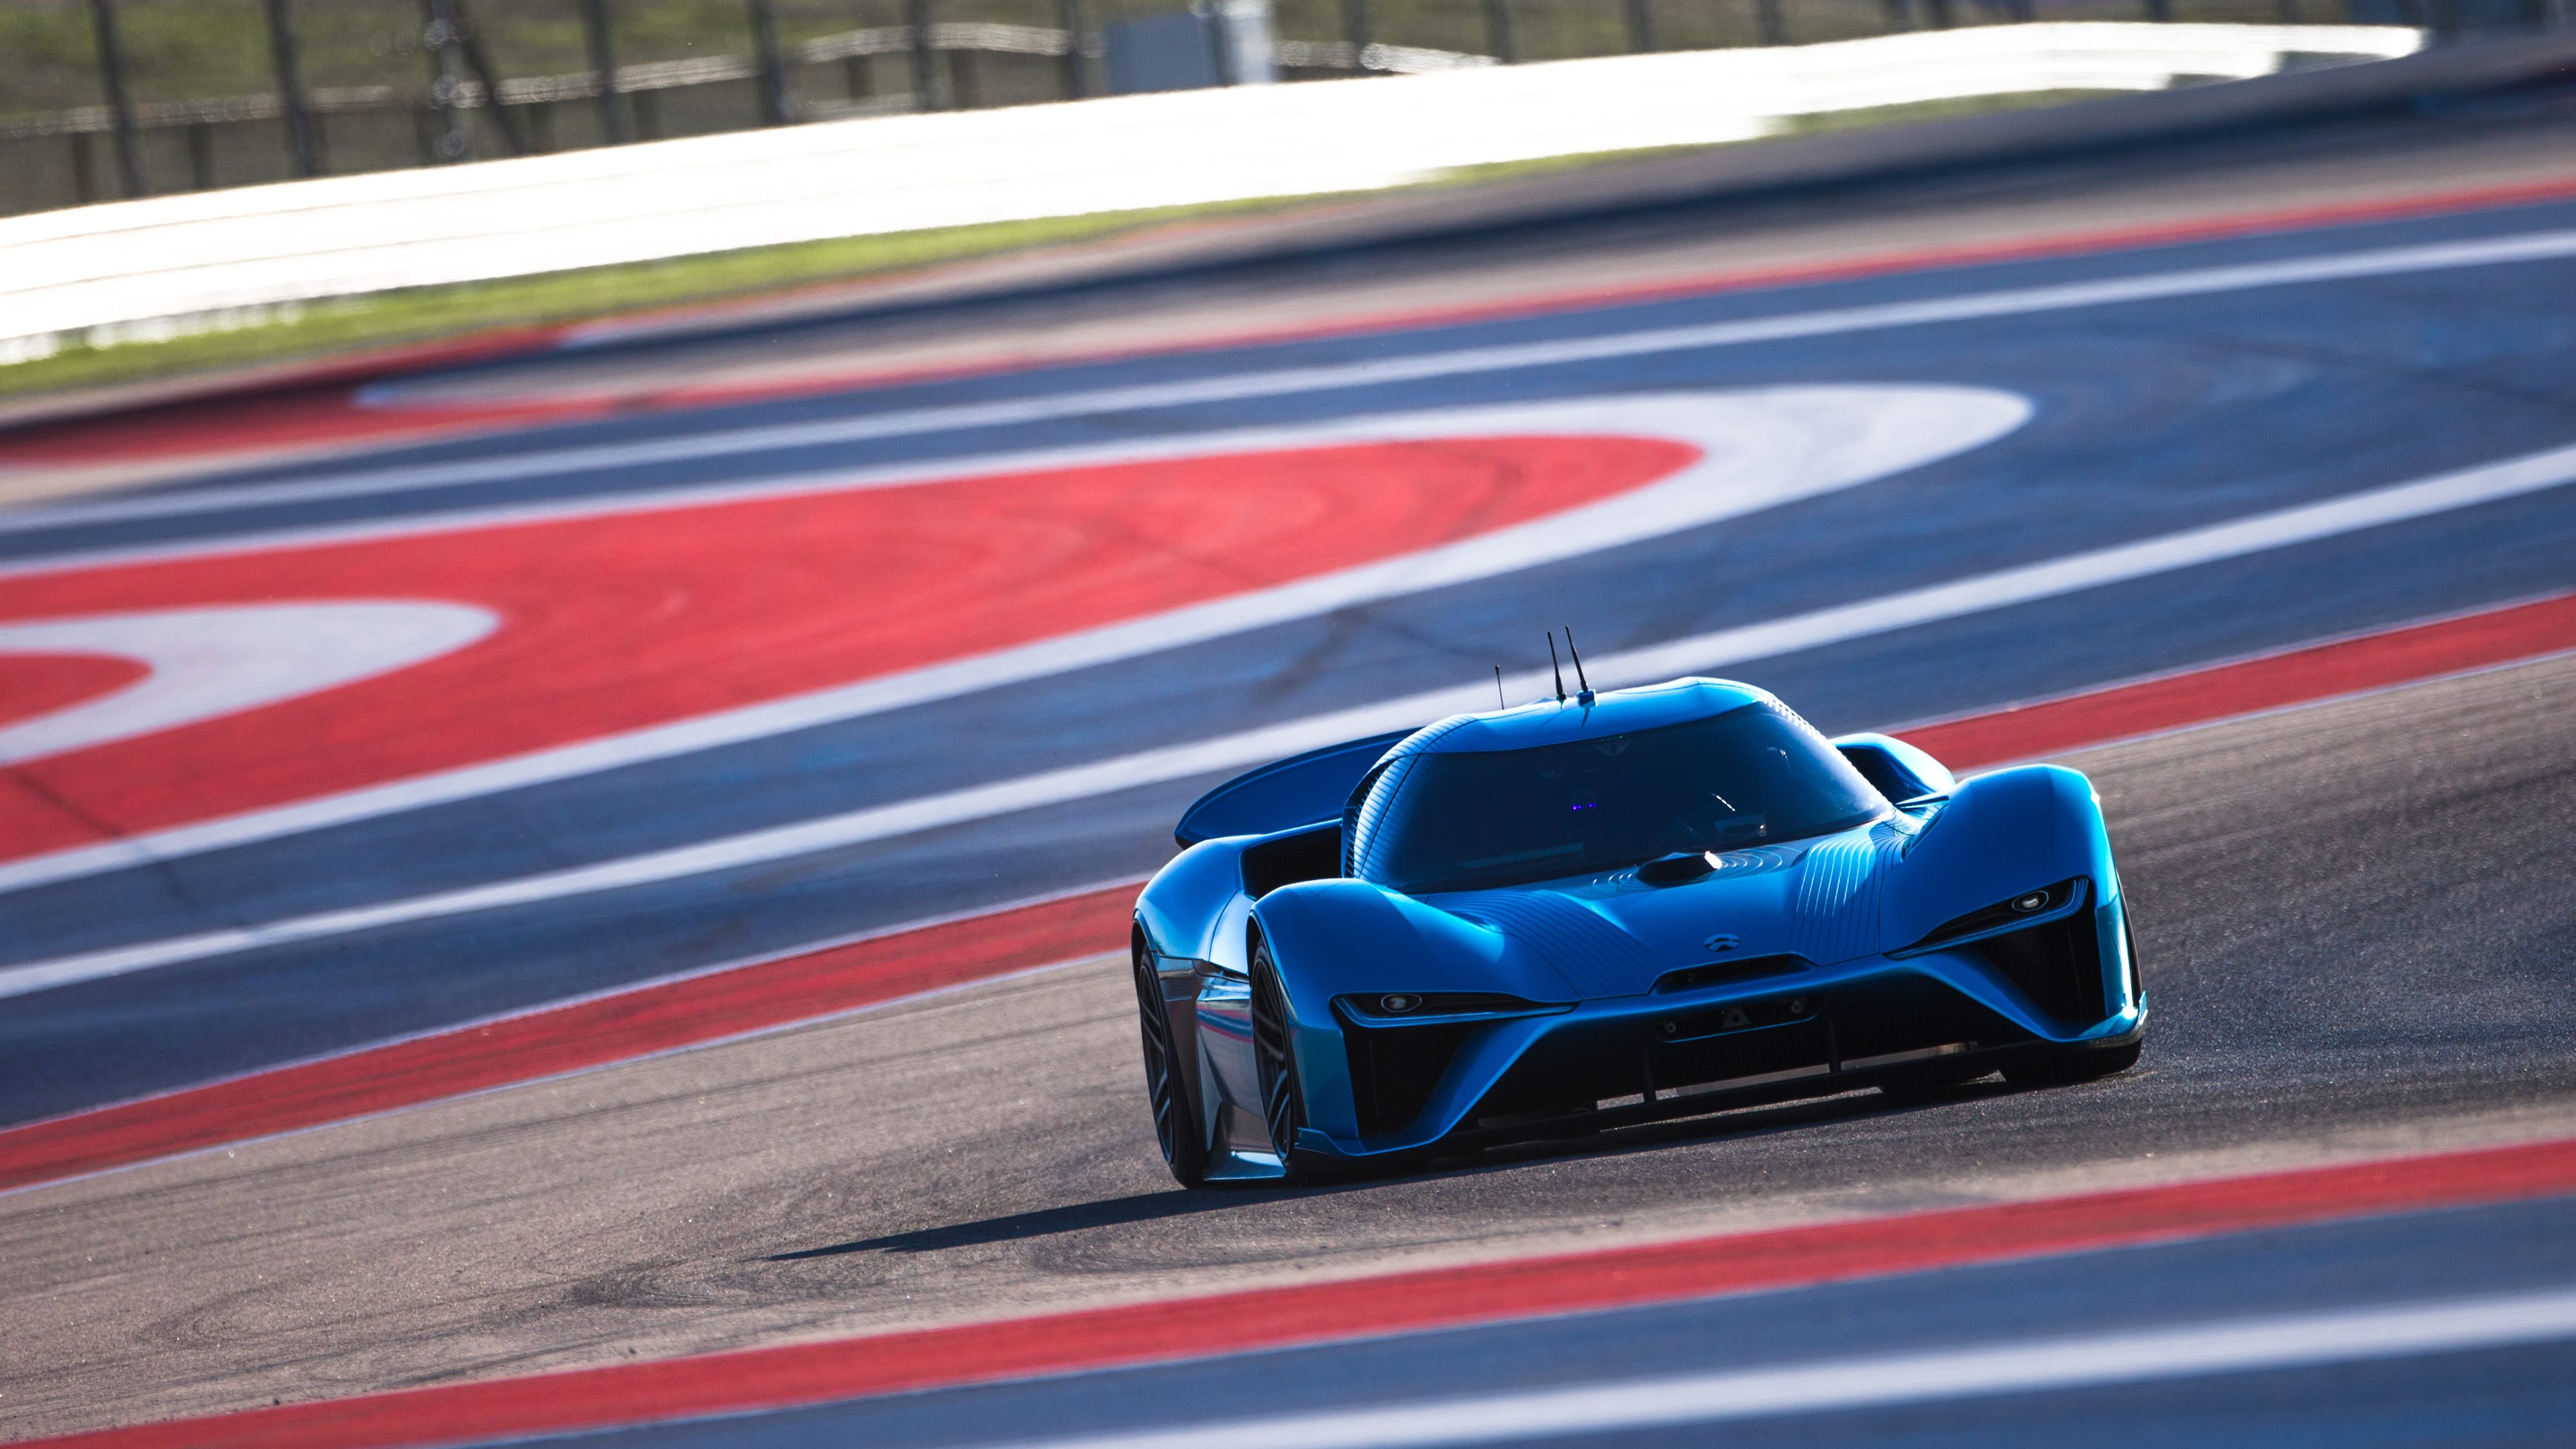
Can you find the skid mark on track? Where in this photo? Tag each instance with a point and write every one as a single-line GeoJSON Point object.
{"type": "Point", "coordinates": [970, 582]}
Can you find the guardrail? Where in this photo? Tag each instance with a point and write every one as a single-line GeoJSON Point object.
{"type": "Point", "coordinates": [115, 99]}
{"type": "Point", "coordinates": [174, 256]}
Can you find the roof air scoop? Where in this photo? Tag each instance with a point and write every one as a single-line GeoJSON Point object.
{"type": "Point", "coordinates": [1677, 868]}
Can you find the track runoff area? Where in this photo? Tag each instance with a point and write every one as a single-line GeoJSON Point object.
{"type": "Point", "coordinates": [663, 995]}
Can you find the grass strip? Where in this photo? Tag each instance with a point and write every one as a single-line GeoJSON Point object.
{"type": "Point", "coordinates": [340, 325]}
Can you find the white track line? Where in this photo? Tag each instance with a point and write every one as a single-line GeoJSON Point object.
{"type": "Point", "coordinates": [2071, 574]}
{"type": "Point", "coordinates": [2238, 1346]}
{"type": "Point", "coordinates": [205, 663]}
{"type": "Point", "coordinates": [2007, 302]}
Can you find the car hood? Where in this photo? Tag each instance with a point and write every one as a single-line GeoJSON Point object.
{"type": "Point", "coordinates": [1613, 935]}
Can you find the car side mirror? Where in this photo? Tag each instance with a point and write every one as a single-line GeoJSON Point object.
{"type": "Point", "coordinates": [1896, 769]}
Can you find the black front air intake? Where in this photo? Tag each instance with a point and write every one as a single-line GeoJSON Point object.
{"type": "Point", "coordinates": [2057, 964]}
{"type": "Point", "coordinates": [1394, 1068]}
{"type": "Point", "coordinates": [1691, 978]}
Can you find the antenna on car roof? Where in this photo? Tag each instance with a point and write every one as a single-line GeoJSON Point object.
{"type": "Point", "coordinates": [1499, 701]}
{"type": "Point", "coordinates": [1559, 668]}
{"type": "Point", "coordinates": [1579, 681]}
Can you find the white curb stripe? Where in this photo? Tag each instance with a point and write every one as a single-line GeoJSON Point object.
{"type": "Point", "coordinates": [205, 663]}
{"type": "Point", "coordinates": [2248, 1345]}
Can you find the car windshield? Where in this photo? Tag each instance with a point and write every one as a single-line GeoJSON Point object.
{"type": "Point", "coordinates": [1472, 820]}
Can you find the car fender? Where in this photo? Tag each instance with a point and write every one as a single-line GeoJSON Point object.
{"type": "Point", "coordinates": [1194, 907]}
{"type": "Point", "coordinates": [2000, 834]}
{"type": "Point", "coordinates": [1330, 938]}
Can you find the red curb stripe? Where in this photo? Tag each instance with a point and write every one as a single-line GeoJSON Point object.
{"type": "Point", "coordinates": [774, 1378]}
{"type": "Point", "coordinates": [2252, 686]}
{"type": "Point", "coordinates": [631, 619]}
{"type": "Point", "coordinates": [269, 405]}
{"type": "Point", "coordinates": [667, 1016]}
{"type": "Point", "coordinates": [628, 1024]}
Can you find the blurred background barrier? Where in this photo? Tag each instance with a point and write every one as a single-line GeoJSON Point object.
{"type": "Point", "coordinates": [201, 253]}
{"type": "Point", "coordinates": [108, 99]}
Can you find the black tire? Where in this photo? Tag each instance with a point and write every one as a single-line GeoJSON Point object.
{"type": "Point", "coordinates": [2066, 1068]}
{"type": "Point", "coordinates": [1283, 1104]}
{"type": "Point", "coordinates": [1176, 1126]}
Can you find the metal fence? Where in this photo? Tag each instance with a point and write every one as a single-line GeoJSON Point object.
{"type": "Point", "coordinates": [102, 99]}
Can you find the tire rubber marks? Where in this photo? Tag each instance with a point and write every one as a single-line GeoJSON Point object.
{"type": "Point", "coordinates": [643, 631]}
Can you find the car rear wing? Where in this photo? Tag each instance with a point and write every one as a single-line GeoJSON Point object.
{"type": "Point", "coordinates": [1307, 789]}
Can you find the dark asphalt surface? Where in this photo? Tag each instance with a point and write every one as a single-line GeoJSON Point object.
{"type": "Point", "coordinates": [2149, 417]}
{"type": "Point", "coordinates": [2356, 920]}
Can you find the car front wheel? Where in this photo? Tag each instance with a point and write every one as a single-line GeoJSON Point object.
{"type": "Point", "coordinates": [1176, 1127]}
{"type": "Point", "coordinates": [1283, 1104]}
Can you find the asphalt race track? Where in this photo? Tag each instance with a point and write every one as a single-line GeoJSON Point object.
{"type": "Point", "coordinates": [590, 706]}
{"type": "Point", "coordinates": [979, 1155]}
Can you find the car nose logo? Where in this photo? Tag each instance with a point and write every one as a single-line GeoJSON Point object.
{"type": "Point", "coordinates": [1722, 941]}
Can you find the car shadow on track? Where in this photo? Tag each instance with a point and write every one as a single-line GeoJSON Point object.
{"type": "Point", "coordinates": [1767, 1120]}
{"type": "Point", "coordinates": [1143, 1207]}
{"type": "Point", "coordinates": [1742, 1122]}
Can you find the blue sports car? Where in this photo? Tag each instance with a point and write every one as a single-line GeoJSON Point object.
{"type": "Point", "coordinates": [1599, 910]}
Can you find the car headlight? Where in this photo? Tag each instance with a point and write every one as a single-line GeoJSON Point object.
{"type": "Point", "coordinates": [1394, 1008]}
